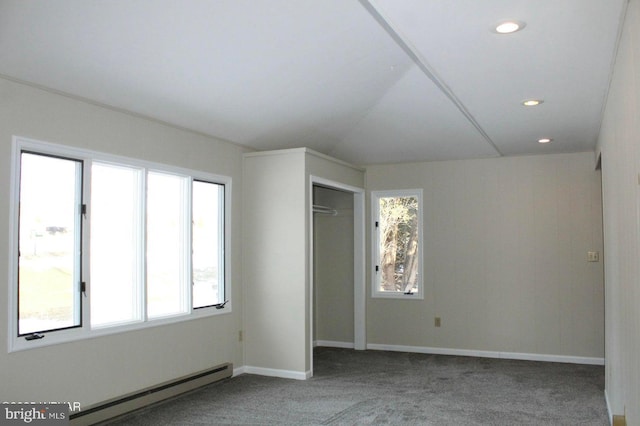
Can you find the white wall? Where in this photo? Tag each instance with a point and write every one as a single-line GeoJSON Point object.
{"type": "Point", "coordinates": [276, 256]}
{"type": "Point", "coordinates": [619, 145]}
{"type": "Point", "coordinates": [91, 371]}
{"type": "Point", "coordinates": [505, 257]}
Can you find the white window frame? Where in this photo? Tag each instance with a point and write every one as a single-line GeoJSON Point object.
{"type": "Point", "coordinates": [375, 241]}
{"type": "Point", "coordinates": [20, 144]}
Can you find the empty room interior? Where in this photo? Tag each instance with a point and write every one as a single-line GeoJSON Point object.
{"type": "Point", "coordinates": [197, 193]}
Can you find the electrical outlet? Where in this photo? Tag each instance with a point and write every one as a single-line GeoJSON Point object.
{"type": "Point", "coordinates": [240, 336]}
{"type": "Point", "coordinates": [593, 256]}
{"type": "Point", "coordinates": [437, 321]}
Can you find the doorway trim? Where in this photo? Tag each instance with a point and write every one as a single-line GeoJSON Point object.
{"type": "Point", "coordinates": [359, 288]}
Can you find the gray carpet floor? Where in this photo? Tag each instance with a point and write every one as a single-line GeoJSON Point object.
{"type": "Point", "coordinates": [376, 387]}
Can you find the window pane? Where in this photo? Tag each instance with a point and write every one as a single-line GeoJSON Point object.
{"type": "Point", "coordinates": [167, 231]}
{"type": "Point", "coordinates": [116, 244]}
{"type": "Point", "coordinates": [48, 267]}
{"type": "Point", "coordinates": [398, 241]}
{"type": "Point", "coordinates": [208, 243]}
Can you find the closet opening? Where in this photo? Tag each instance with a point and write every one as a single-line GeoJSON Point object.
{"type": "Point", "coordinates": [337, 293]}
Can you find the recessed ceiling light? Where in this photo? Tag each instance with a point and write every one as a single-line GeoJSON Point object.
{"type": "Point", "coordinates": [532, 102]}
{"type": "Point", "coordinates": [508, 27]}
{"type": "Point", "coordinates": [544, 140]}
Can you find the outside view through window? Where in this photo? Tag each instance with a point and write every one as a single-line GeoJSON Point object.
{"type": "Point", "coordinates": [116, 241]}
{"type": "Point", "coordinates": [47, 271]}
{"type": "Point", "coordinates": [208, 240]}
{"type": "Point", "coordinates": [398, 239]}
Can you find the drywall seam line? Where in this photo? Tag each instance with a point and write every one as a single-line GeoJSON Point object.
{"type": "Point", "coordinates": [424, 66]}
{"type": "Point", "coordinates": [614, 59]}
{"type": "Point", "coordinates": [121, 110]}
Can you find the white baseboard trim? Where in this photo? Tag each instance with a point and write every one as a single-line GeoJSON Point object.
{"type": "Point", "coordinates": [238, 371]}
{"type": "Point", "coordinates": [606, 399]}
{"type": "Point", "coordinates": [488, 354]}
{"type": "Point", "coordinates": [333, 344]}
{"type": "Point", "coordinates": [272, 372]}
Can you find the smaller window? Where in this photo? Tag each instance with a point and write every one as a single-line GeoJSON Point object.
{"type": "Point", "coordinates": [208, 244]}
{"type": "Point", "coordinates": [397, 239]}
{"type": "Point", "coordinates": [49, 273]}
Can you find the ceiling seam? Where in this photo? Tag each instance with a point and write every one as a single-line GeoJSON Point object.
{"type": "Point", "coordinates": [426, 69]}
{"type": "Point", "coordinates": [368, 110]}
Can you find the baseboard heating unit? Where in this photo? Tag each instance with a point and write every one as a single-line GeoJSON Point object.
{"type": "Point", "coordinates": [124, 404]}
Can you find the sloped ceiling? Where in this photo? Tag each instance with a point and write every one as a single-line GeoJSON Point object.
{"type": "Point", "coordinates": [369, 81]}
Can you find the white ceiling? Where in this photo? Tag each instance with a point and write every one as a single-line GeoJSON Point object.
{"type": "Point", "coordinates": [367, 81]}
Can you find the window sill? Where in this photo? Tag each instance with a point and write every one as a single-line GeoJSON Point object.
{"type": "Point", "coordinates": [401, 296]}
{"type": "Point", "coordinates": [73, 335]}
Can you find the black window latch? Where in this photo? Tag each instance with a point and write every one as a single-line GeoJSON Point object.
{"type": "Point", "coordinates": [34, 336]}
{"type": "Point", "coordinates": [221, 305]}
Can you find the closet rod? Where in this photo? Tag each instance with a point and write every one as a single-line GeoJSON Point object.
{"type": "Point", "coordinates": [324, 210]}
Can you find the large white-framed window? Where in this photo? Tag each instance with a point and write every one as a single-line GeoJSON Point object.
{"type": "Point", "coordinates": [102, 244]}
{"type": "Point", "coordinates": [397, 244]}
